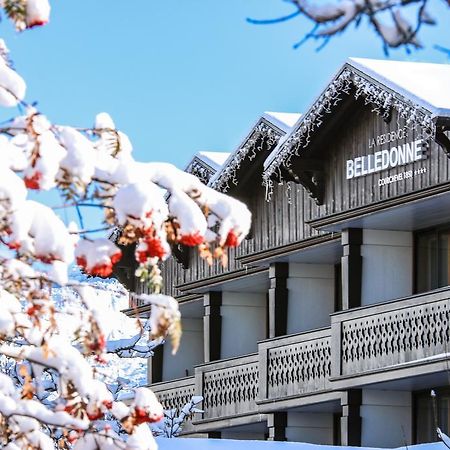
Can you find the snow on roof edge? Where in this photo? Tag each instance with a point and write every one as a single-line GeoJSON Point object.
{"type": "Point", "coordinates": [357, 63]}
{"type": "Point", "coordinates": [270, 117]}
{"type": "Point", "coordinates": [214, 159]}
{"type": "Point", "coordinates": [274, 152]}
{"type": "Point", "coordinates": [285, 121]}
{"type": "Point", "coordinates": [363, 64]}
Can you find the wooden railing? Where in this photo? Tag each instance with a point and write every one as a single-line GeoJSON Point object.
{"type": "Point", "coordinates": [372, 341]}
{"type": "Point", "coordinates": [175, 394]}
{"type": "Point", "coordinates": [295, 365]}
{"type": "Point", "coordinates": [391, 334]}
{"type": "Point", "coordinates": [229, 387]}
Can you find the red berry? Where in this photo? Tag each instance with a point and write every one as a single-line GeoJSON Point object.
{"type": "Point", "coordinates": [33, 181]}
{"type": "Point", "coordinates": [101, 270]}
{"type": "Point", "coordinates": [116, 257]}
{"type": "Point", "coordinates": [191, 240]}
{"type": "Point", "coordinates": [81, 261]}
{"type": "Point", "coordinates": [14, 245]}
{"type": "Point", "coordinates": [232, 240]}
{"type": "Point", "coordinates": [37, 23]}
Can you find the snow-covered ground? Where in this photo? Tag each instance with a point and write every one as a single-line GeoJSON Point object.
{"type": "Point", "coordinates": [227, 444]}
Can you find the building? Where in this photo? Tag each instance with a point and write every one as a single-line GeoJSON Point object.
{"type": "Point", "coordinates": [331, 323]}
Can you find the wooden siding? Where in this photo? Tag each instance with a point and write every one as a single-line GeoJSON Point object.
{"type": "Point", "coordinates": [281, 221]}
{"type": "Point", "coordinates": [352, 141]}
{"type": "Point", "coordinates": [285, 218]}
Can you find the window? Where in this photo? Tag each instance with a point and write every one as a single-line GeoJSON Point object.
{"type": "Point", "coordinates": [432, 259]}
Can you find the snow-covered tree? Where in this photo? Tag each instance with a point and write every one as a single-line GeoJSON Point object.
{"type": "Point", "coordinates": [396, 22]}
{"type": "Point", "coordinates": [56, 392]}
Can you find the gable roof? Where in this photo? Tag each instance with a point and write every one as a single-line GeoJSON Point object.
{"type": "Point", "coordinates": [417, 91]}
{"type": "Point", "coordinates": [205, 164]}
{"type": "Point", "coordinates": [269, 129]}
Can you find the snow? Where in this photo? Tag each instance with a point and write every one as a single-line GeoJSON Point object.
{"type": "Point", "coordinates": [97, 256]}
{"type": "Point", "coordinates": [79, 160]}
{"type": "Point", "coordinates": [142, 202]}
{"type": "Point", "coordinates": [425, 83]}
{"type": "Point", "coordinates": [191, 219]}
{"type": "Point", "coordinates": [283, 120]}
{"type": "Point", "coordinates": [228, 444]}
{"type": "Point", "coordinates": [214, 159]}
{"type": "Point", "coordinates": [46, 166]}
{"type": "Point", "coordinates": [12, 86]}
{"type": "Point", "coordinates": [38, 12]}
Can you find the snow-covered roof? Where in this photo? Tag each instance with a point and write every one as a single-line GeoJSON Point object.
{"type": "Point", "coordinates": [205, 164]}
{"type": "Point", "coordinates": [283, 120]}
{"type": "Point", "coordinates": [424, 83]}
{"type": "Point", "coordinates": [272, 126]}
{"type": "Point", "coordinates": [213, 159]}
{"type": "Point", "coordinates": [417, 91]}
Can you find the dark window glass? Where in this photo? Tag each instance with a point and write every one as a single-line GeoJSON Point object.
{"type": "Point", "coordinates": [432, 260]}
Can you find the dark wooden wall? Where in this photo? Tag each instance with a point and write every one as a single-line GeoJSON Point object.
{"type": "Point", "coordinates": [284, 219]}
{"type": "Point", "coordinates": [276, 223]}
{"type": "Point", "coordinates": [350, 142]}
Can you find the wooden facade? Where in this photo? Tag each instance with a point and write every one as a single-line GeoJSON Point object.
{"type": "Point", "coordinates": [325, 282]}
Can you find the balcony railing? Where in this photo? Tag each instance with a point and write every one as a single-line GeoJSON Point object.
{"type": "Point", "coordinates": [391, 334]}
{"type": "Point", "coordinates": [295, 365]}
{"type": "Point", "coordinates": [371, 341]}
{"type": "Point", "coordinates": [229, 387]}
{"type": "Point", "coordinates": [175, 394]}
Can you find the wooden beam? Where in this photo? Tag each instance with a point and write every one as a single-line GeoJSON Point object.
{"type": "Point", "coordinates": [351, 418]}
{"type": "Point", "coordinates": [278, 299]}
{"type": "Point", "coordinates": [212, 326]}
{"type": "Point", "coordinates": [351, 268]}
{"type": "Point", "coordinates": [277, 423]}
{"type": "Point", "coordinates": [155, 365]}
{"type": "Point", "coordinates": [442, 139]}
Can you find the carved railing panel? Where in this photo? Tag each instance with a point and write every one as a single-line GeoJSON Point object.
{"type": "Point", "coordinates": [396, 333]}
{"type": "Point", "coordinates": [229, 387]}
{"type": "Point", "coordinates": [296, 365]}
{"type": "Point", "coordinates": [175, 394]}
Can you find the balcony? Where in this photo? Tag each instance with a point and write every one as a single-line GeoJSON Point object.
{"type": "Point", "coordinates": [407, 336]}
{"type": "Point", "coordinates": [175, 394]}
{"type": "Point", "coordinates": [230, 387]}
{"type": "Point", "coordinates": [294, 366]}
{"type": "Point", "coordinates": [384, 343]}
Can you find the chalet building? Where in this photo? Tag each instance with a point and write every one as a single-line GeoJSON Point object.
{"type": "Point", "coordinates": [330, 324]}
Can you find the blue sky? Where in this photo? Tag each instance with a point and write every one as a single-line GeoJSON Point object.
{"type": "Point", "coordinates": [183, 75]}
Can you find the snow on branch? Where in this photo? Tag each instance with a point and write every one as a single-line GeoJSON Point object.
{"type": "Point", "coordinates": [59, 336]}
{"type": "Point", "coordinates": [175, 418]}
{"type": "Point", "coordinates": [396, 22]}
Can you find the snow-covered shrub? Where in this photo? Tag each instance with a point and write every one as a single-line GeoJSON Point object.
{"type": "Point", "coordinates": [56, 343]}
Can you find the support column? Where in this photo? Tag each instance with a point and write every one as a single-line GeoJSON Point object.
{"type": "Point", "coordinates": [351, 268]}
{"type": "Point", "coordinates": [351, 418]}
{"type": "Point", "coordinates": [212, 326]}
{"type": "Point", "coordinates": [155, 365]}
{"type": "Point", "coordinates": [277, 423]}
{"type": "Point", "coordinates": [278, 299]}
